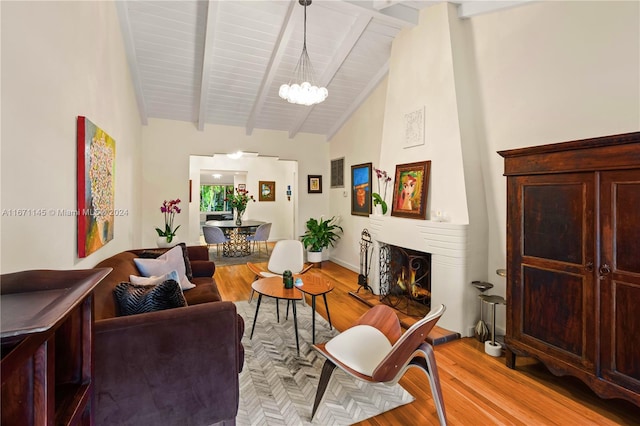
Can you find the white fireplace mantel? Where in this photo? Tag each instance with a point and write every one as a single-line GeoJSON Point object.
{"type": "Point", "coordinates": [451, 260]}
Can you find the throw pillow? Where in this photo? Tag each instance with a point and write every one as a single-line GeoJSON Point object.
{"type": "Point", "coordinates": [134, 299]}
{"type": "Point", "coordinates": [155, 253]}
{"type": "Point", "coordinates": [169, 261]}
{"type": "Point", "coordinates": [173, 275]}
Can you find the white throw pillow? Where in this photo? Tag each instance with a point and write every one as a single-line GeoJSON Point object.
{"type": "Point", "coordinates": [172, 260]}
{"type": "Point", "coordinates": [173, 275]}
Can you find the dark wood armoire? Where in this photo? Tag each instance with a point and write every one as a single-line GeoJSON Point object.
{"type": "Point", "coordinates": [573, 260]}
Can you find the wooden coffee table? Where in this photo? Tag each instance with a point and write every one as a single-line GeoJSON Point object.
{"type": "Point", "coordinates": [316, 285]}
{"type": "Point", "coordinates": [273, 287]}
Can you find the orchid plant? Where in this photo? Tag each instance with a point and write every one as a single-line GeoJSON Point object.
{"type": "Point", "coordinates": [169, 209]}
{"type": "Point", "coordinates": [383, 177]}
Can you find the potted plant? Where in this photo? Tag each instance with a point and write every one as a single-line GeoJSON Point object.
{"type": "Point", "coordinates": [320, 235]}
{"type": "Point", "coordinates": [165, 236]}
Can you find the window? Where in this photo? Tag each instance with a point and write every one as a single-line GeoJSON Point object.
{"type": "Point", "coordinates": [212, 198]}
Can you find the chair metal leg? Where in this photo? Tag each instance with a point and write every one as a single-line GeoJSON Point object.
{"type": "Point", "coordinates": [326, 305]}
{"type": "Point", "coordinates": [325, 377]}
{"type": "Point", "coordinates": [428, 365]}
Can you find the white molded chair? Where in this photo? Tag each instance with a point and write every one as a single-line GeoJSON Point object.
{"type": "Point", "coordinates": [286, 255]}
{"type": "Point", "coordinates": [375, 351]}
{"type": "Point", "coordinates": [261, 235]}
{"type": "Point", "coordinates": [214, 235]}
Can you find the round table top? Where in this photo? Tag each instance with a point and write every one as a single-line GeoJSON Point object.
{"type": "Point", "coordinates": [493, 299]}
{"type": "Point", "coordinates": [273, 287]}
{"type": "Point", "coordinates": [232, 223]}
{"type": "Point", "coordinates": [314, 285]}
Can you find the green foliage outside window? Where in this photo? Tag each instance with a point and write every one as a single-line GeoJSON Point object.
{"type": "Point", "coordinates": [212, 198]}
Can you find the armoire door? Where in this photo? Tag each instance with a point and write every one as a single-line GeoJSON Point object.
{"type": "Point", "coordinates": [552, 296]}
{"type": "Point", "coordinates": [619, 275]}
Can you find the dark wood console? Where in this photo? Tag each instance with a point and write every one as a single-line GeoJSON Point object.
{"type": "Point", "coordinates": [573, 260]}
{"type": "Point", "coordinates": [46, 331]}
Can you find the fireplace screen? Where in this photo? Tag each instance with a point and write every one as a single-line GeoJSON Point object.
{"type": "Point", "coordinates": [405, 279]}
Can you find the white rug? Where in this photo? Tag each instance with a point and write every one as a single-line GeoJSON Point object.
{"type": "Point", "coordinates": [278, 387]}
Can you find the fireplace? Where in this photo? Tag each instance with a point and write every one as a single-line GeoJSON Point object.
{"type": "Point", "coordinates": [405, 279]}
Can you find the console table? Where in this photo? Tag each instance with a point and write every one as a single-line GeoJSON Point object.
{"type": "Point", "coordinates": [46, 332]}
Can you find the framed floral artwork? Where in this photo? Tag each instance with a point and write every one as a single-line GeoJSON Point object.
{"type": "Point", "coordinates": [314, 184]}
{"type": "Point", "coordinates": [410, 190]}
{"type": "Point", "coordinates": [361, 189]}
{"type": "Point", "coordinates": [267, 190]}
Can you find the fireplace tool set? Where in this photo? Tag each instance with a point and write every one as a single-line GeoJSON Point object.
{"type": "Point", "coordinates": [366, 252]}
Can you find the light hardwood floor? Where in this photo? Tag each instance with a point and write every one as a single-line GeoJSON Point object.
{"type": "Point", "coordinates": [477, 388]}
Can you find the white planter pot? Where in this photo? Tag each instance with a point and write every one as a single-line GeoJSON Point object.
{"type": "Point", "coordinates": [162, 242]}
{"type": "Point", "coordinates": [314, 256]}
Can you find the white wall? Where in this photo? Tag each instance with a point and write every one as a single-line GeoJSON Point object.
{"type": "Point", "coordinates": [358, 141]}
{"type": "Point", "coordinates": [61, 60]}
{"type": "Point", "coordinates": [168, 145]}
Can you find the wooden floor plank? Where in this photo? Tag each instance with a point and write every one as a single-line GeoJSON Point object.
{"type": "Point", "coordinates": [478, 389]}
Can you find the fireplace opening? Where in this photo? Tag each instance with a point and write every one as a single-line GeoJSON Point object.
{"type": "Point", "coordinates": [405, 279]}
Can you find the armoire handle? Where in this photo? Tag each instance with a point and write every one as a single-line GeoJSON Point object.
{"type": "Point", "coordinates": [604, 271]}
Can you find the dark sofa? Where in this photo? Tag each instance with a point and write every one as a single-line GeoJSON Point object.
{"type": "Point", "coordinates": [173, 367]}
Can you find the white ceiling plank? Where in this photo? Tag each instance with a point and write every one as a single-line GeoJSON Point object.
{"type": "Point", "coordinates": [346, 46]}
{"type": "Point", "coordinates": [129, 47]}
{"type": "Point", "coordinates": [373, 83]}
{"type": "Point", "coordinates": [207, 61]}
{"type": "Point", "coordinates": [276, 56]}
{"type": "Point", "coordinates": [397, 15]}
{"type": "Point", "coordinates": [469, 9]}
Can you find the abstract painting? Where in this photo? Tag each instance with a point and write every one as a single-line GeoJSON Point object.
{"type": "Point", "coordinates": [96, 186]}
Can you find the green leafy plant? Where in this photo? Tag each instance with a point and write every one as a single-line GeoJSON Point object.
{"type": "Point", "coordinates": [169, 208]}
{"type": "Point", "coordinates": [321, 234]}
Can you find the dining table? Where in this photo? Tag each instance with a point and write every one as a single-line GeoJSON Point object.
{"type": "Point", "coordinates": [238, 245]}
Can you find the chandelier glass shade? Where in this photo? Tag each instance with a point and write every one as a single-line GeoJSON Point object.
{"type": "Point", "coordinates": [302, 88]}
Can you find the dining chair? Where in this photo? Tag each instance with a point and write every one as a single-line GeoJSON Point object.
{"type": "Point", "coordinates": [214, 235]}
{"type": "Point", "coordinates": [261, 235]}
{"type": "Point", "coordinates": [286, 255]}
{"type": "Point", "coordinates": [375, 350]}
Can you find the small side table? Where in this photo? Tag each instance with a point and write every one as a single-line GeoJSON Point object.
{"type": "Point", "coordinates": [492, 347]}
{"type": "Point", "coordinates": [315, 286]}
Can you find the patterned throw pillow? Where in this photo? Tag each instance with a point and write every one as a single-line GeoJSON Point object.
{"type": "Point", "coordinates": [134, 299]}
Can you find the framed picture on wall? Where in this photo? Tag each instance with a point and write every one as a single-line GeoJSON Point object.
{"type": "Point", "coordinates": [242, 187]}
{"type": "Point", "coordinates": [410, 190]}
{"type": "Point", "coordinates": [314, 184]}
{"type": "Point", "coordinates": [361, 189]}
{"type": "Point", "coordinates": [96, 161]}
{"type": "Point", "coordinates": [267, 190]}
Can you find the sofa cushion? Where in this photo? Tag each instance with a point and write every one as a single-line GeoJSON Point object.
{"type": "Point", "coordinates": [155, 253]}
{"type": "Point", "coordinates": [167, 262]}
{"type": "Point", "coordinates": [206, 291]}
{"type": "Point", "coordinates": [138, 299]}
{"type": "Point", "coordinates": [155, 280]}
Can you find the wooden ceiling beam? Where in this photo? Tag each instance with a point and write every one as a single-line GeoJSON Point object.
{"type": "Point", "coordinates": [207, 61]}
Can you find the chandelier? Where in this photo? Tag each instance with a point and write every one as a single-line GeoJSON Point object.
{"type": "Point", "coordinates": [302, 88]}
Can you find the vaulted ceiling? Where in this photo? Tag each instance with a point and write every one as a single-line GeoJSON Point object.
{"type": "Point", "coordinates": [222, 62]}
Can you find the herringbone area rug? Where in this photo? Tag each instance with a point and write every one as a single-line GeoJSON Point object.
{"type": "Point", "coordinates": [277, 387]}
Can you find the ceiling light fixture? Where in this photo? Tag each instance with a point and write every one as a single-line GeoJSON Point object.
{"type": "Point", "coordinates": [302, 88]}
